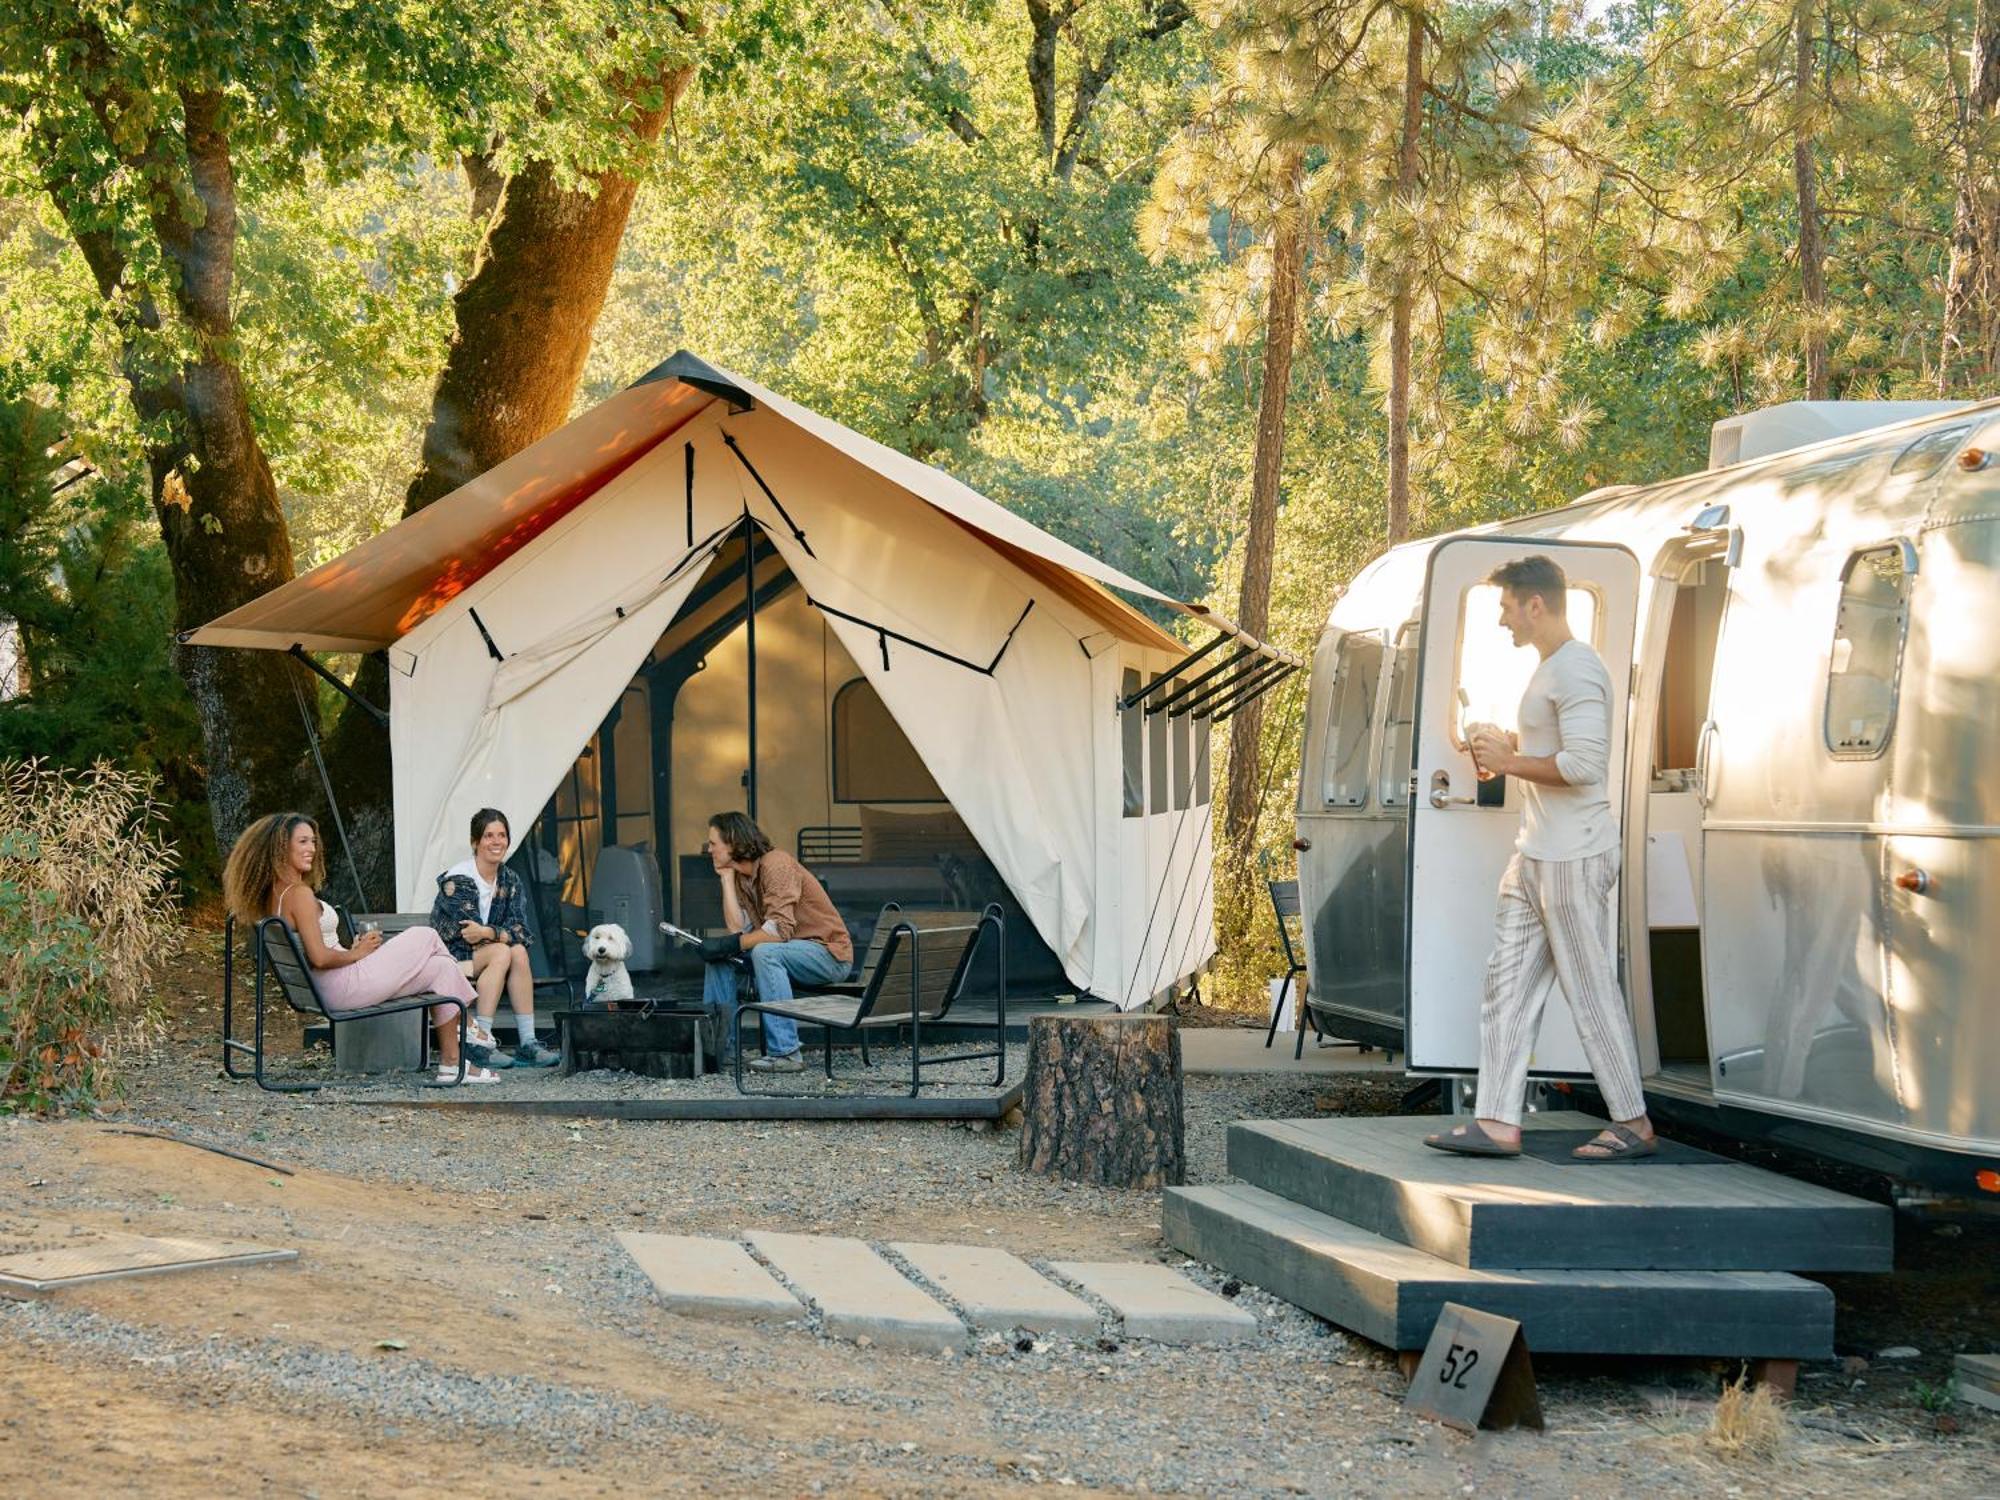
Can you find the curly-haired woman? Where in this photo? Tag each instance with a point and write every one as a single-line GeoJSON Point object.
{"type": "Point", "coordinates": [275, 869]}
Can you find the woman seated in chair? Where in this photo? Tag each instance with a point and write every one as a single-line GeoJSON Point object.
{"type": "Point", "coordinates": [276, 869]}
{"type": "Point", "coordinates": [480, 913]}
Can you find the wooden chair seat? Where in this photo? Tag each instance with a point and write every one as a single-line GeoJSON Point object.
{"type": "Point", "coordinates": [916, 967]}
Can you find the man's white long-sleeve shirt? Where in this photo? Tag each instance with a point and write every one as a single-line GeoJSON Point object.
{"type": "Point", "coordinates": [1566, 713]}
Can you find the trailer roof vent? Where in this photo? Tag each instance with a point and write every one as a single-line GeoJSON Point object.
{"type": "Point", "coordinates": [1778, 429]}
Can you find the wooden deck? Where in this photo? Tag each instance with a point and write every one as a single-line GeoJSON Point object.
{"type": "Point", "coordinates": [1524, 1213]}
{"type": "Point", "coordinates": [1392, 1294]}
{"type": "Point", "coordinates": [1358, 1221]}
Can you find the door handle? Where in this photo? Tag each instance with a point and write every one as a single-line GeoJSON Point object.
{"type": "Point", "coordinates": [1701, 761]}
{"type": "Point", "coordinates": [1441, 796]}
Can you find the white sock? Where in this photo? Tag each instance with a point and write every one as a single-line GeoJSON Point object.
{"type": "Point", "coordinates": [525, 1025]}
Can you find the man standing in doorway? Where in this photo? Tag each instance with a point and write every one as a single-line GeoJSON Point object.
{"type": "Point", "coordinates": [782, 918]}
{"type": "Point", "coordinates": [1555, 914]}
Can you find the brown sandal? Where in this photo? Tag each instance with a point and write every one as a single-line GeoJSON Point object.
{"type": "Point", "coordinates": [1470, 1140]}
{"type": "Point", "coordinates": [1625, 1143]}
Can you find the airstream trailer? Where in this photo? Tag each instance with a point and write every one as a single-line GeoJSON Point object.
{"type": "Point", "coordinates": [1809, 913]}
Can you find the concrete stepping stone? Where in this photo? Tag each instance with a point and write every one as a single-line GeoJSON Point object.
{"type": "Point", "coordinates": [705, 1278]}
{"type": "Point", "coordinates": [1977, 1379]}
{"type": "Point", "coordinates": [1158, 1302]}
{"type": "Point", "coordinates": [998, 1290]}
{"type": "Point", "coordinates": [858, 1293]}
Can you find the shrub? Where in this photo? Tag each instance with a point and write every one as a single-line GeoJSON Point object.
{"type": "Point", "coordinates": [85, 921]}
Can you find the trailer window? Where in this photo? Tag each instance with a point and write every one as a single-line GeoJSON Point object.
{"type": "Point", "coordinates": [1394, 777]}
{"type": "Point", "coordinates": [1866, 662]}
{"type": "Point", "coordinates": [1132, 727]}
{"type": "Point", "coordinates": [1492, 671]}
{"type": "Point", "coordinates": [1350, 709]}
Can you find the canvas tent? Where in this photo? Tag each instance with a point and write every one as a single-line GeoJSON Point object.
{"type": "Point", "coordinates": [699, 519]}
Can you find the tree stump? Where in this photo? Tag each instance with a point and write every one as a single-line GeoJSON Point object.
{"type": "Point", "coordinates": [1102, 1100]}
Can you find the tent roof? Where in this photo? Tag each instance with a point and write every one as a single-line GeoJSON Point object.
{"type": "Point", "coordinates": [377, 592]}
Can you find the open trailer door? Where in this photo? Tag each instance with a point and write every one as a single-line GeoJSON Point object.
{"type": "Point", "coordinates": [1462, 831]}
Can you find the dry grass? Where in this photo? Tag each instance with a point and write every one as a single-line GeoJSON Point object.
{"type": "Point", "coordinates": [86, 917]}
{"type": "Point", "coordinates": [1749, 1422]}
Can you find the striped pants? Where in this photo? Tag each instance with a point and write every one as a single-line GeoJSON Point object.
{"type": "Point", "coordinates": [1555, 926]}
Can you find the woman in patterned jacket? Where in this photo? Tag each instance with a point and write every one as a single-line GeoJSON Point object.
{"type": "Point", "coordinates": [481, 913]}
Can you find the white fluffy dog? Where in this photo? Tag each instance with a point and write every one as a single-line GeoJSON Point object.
{"type": "Point", "coordinates": [607, 948]}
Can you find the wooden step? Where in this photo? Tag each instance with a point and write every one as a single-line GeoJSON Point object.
{"type": "Point", "coordinates": [1521, 1213]}
{"type": "Point", "coordinates": [1392, 1293]}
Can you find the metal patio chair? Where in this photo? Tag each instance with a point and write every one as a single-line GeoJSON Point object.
{"type": "Point", "coordinates": [915, 969]}
{"type": "Point", "coordinates": [278, 956]}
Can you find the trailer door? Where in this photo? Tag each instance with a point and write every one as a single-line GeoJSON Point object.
{"type": "Point", "coordinates": [1461, 830]}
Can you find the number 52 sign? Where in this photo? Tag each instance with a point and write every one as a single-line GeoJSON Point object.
{"type": "Point", "coordinates": [1475, 1373]}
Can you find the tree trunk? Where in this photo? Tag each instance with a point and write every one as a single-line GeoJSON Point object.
{"type": "Point", "coordinates": [523, 320]}
{"type": "Point", "coordinates": [212, 490]}
{"type": "Point", "coordinates": [1401, 308]}
{"type": "Point", "coordinates": [1253, 607]}
{"type": "Point", "coordinates": [1971, 343]}
{"type": "Point", "coordinates": [1805, 180]}
{"type": "Point", "coordinates": [1102, 1100]}
{"type": "Point", "coordinates": [522, 330]}
{"type": "Point", "coordinates": [218, 508]}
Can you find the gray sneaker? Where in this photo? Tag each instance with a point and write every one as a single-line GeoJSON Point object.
{"type": "Point", "coordinates": [482, 1056]}
{"type": "Point", "coordinates": [537, 1054]}
{"type": "Point", "coordinates": [791, 1062]}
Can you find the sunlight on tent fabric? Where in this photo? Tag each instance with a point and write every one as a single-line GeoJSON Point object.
{"type": "Point", "coordinates": [1492, 671]}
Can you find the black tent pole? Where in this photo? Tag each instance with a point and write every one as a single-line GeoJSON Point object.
{"type": "Point", "coordinates": [750, 640]}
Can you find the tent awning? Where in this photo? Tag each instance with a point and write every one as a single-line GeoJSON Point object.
{"type": "Point", "coordinates": [374, 594]}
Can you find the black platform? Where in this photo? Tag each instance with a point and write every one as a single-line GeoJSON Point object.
{"type": "Point", "coordinates": [1716, 1215]}
{"type": "Point", "coordinates": [1357, 1221]}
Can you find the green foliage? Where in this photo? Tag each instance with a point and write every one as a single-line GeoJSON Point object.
{"type": "Point", "coordinates": [1029, 242]}
{"type": "Point", "coordinates": [84, 580]}
{"type": "Point", "coordinates": [1934, 1398]}
{"type": "Point", "coordinates": [84, 926]}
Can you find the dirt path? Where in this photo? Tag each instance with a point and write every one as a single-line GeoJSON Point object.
{"type": "Point", "coordinates": [535, 1359]}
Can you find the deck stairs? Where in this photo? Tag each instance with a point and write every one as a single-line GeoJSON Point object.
{"type": "Point", "coordinates": [1358, 1222]}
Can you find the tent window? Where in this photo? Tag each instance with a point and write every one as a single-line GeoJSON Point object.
{"type": "Point", "coordinates": [1183, 756]}
{"type": "Point", "coordinates": [1351, 709]}
{"type": "Point", "coordinates": [873, 760]}
{"type": "Point", "coordinates": [1156, 757]}
{"type": "Point", "coordinates": [1202, 789]}
{"type": "Point", "coordinates": [579, 825]}
{"type": "Point", "coordinates": [1865, 666]}
{"type": "Point", "coordinates": [1132, 725]}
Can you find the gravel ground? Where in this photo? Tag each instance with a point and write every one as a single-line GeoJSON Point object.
{"type": "Point", "coordinates": [553, 1353]}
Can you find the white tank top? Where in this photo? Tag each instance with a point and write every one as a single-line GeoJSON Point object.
{"type": "Point", "coordinates": [329, 919]}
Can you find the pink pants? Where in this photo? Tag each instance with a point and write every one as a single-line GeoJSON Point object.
{"type": "Point", "coordinates": [414, 962]}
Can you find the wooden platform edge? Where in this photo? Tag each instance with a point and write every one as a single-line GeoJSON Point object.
{"type": "Point", "coordinates": [744, 1107]}
{"type": "Point", "coordinates": [1766, 1315]}
{"type": "Point", "coordinates": [1830, 1233]}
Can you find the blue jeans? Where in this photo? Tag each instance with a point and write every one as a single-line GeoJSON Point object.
{"type": "Point", "coordinates": [775, 966]}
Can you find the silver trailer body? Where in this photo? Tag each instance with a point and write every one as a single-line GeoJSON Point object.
{"type": "Point", "coordinates": [1809, 916]}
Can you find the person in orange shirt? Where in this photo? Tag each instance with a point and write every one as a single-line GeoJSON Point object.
{"type": "Point", "coordinates": [781, 917]}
